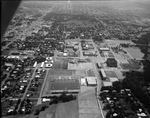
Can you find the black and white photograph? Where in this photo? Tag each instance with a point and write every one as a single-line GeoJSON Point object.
{"type": "Point", "coordinates": [75, 59]}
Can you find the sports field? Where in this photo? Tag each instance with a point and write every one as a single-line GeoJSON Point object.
{"type": "Point", "coordinates": [65, 84]}
{"type": "Point", "coordinates": [131, 65]}
{"type": "Point", "coordinates": [59, 74]}
{"type": "Point", "coordinates": [135, 53]}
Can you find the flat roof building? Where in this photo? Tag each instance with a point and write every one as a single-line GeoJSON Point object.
{"type": "Point", "coordinates": [113, 79]}
{"type": "Point", "coordinates": [91, 81]}
{"type": "Point", "coordinates": [83, 82]}
{"type": "Point", "coordinates": [111, 62]}
{"type": "Point", "coordinates": [104, 49]}
{"type": "Point", "coordinates": [107, 84]}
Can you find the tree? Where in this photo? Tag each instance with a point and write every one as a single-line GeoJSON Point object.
{"type": "Point", "coordinates": [43, 108]}
{"type": "Point", "coordinates": [37, 112]}
{"type": "Point", "coordinates": [117, 86]}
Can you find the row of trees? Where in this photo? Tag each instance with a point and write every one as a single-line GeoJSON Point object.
{"type": "Point", "coordinates": [139, 82]}
{"type": "Point", "coordinates": [55, 100]}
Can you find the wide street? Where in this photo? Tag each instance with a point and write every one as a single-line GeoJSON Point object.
{"type": "Point", "coordinates": [41, 92]}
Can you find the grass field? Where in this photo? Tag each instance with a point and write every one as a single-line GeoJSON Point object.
{"type": "Point", "coordinates": [61, 72]}
{"type": "Point", "coordinates": [90, 73]}
{"type": "Point", "coordinates": [60, 64]}
{"type": "Point", "coordinates": [46, 90]}
{"type": "Point", "coordinates": [117, 42]}
{"type": "Point", "coordinates": [102, 54]}
{"type": "Point", "coordinates": [135, 53]}
{"type": "Point", "coordinates": [110, 74]}
{"type": "Point", "coordinates": [110, 54]}
{"type": "Point", "coordinates": [80, 66]}
{"type": "Point", "coordinates": [130, 65]}
{"type": "Point", "coordinates": [49, 112]}
{"type": "Point", "coordinates": [62, 84]}
{"type": "Point", "coordinates": [88, 107]}
{"type": "Point", "coordinates": [67, 110]}
{"type": "Point", "coordinates": [122, 58]}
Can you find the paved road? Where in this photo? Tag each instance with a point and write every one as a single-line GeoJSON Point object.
{"type": "Point", "coordinates": [81, 52]}
{"type": "Point", "coordinates": [3, 82]}
{"type": "Point", "coordinates": [94, 60]}
{"type": "Point", "coordinates": [27, 88]}
{"type": "Point", "coordinates": [46, 76]}
{"type": "Point", "coordinates": [99, 81]}
{"type": "Point", "coordinates": [99, 85]}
